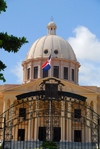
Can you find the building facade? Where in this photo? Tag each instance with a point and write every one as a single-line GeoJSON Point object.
{"type": "Point", "coordinates": [71, 117]}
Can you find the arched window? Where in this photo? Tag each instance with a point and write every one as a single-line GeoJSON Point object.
{"type": "Point", "coordinates": [35, 72]}
{"type": "Point", "coordinates": [28, 74]}
{"type": "Point", "coordinates": [56, 71]}
{"type": "Point", "coordinates": [66, 73]}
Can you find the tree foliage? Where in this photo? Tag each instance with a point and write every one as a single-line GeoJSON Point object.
{"type": "Point", "coordinates": [9, 43]}
{"type": "Point", "coordinates": [3, 6]}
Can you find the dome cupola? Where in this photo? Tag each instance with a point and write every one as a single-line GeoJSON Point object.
{"type": "Point", "coordinates": [51, 28]}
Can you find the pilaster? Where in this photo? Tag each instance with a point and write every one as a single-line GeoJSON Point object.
{"type": "Point", "coordinates": [30, 120]}
{"type": "Point", "coordinates": [39, 69]}
{"type": "Point", "coordinates": [36, 121]}
{"type": "Point", "coordinates": [62, 76]}
{"type": "Point", "coordinates": [62, 120]}
{"type": "Point", "coordinates": [31, 71]}
{"type": "Point", "coordinates": [88, 129]}
{"type": "Point", "coordinates": [69, 126]}
{"type": "Point", "coordinates": [24, 73]}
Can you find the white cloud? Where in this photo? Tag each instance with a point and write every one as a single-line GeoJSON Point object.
{"type": "Point", "coordinates": [18, 71]}
{"type": "Point", "coordinates": [89, 74]}
{"type": "Point", "coordinates": [85, 44]}
{"type": "Point", "coordinates": [87, 49]}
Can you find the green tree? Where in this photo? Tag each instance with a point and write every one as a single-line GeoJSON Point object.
{"type": "Point", "coordinates": [9, 43]}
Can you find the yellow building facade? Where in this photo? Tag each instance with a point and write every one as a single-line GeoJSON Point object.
{"type": "Point", "coordinates": [70, 116]}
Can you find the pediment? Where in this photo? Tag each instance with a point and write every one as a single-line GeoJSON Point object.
{"type": "Point", "coordinates": [34, 86]}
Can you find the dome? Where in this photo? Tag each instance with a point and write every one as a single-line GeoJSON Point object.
{"type": "Point", "coordinates": [51, 24]}
{"type": "Point", "coordinates": [51, 44]}
{"type": "Point", "coordinates": [64, 64]}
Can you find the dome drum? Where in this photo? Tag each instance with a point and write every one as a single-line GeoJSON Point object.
{"type": "Point", "coordinates": [60, 68]}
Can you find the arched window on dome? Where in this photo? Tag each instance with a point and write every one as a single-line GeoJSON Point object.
{"type": "Point", "coordinates": [28, 73]}
{"type": "Point", "coordinates": [35, 72]}
{"type": "Point", "coordinates": [72, 74]}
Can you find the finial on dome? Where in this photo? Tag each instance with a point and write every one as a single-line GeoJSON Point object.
{"type": "Point", "coordinates": [51, 18]}
{"type": "Point", "coordinates": [51, 28]}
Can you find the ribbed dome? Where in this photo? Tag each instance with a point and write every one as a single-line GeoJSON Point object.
{"type": "Point", "coordinates": [43, 46]}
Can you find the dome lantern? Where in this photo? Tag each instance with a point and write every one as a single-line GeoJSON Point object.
{"type": "Point", "coordinates": [51, 28]}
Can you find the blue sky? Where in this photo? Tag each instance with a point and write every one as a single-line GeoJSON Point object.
{"type": "Point", "coordinates": [78, 21]}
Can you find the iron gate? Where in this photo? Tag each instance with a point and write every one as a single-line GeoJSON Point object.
{"type": "Point", "coordinates": [61, 117]}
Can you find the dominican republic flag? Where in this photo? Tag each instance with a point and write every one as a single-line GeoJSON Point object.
{"type": "Point", "coordinates": [47, 65]}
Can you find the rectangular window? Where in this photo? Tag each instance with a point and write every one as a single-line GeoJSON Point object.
{"type": "Point", "coordinates": [22, 113]}
{"type": "Point", "coordinates": [28, 75]}
{"type": "Point", "coordinates": [56, 134]}
{"type": "Point", "coordinates": [77, 113]}
{"type": "Point", "coordinates": [21, 134]}
{"type": "Point", "coordinates": [45, 74]}
{"type": "Point", "coordinates": [72, 74]}
{"type": "Point", "coordinates": [42, 134]}
{"type": "Point", "coordinates": [35, 72]}
{"type": "Point", "coordinates": [77, 136]}
{"type": "Point", "coordinates": [56, 71]}
{"type": "Point", "coordinates": [66, 73]}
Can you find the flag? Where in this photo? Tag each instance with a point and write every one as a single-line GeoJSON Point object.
{"type": "Point", "coordinates": [47, 65]}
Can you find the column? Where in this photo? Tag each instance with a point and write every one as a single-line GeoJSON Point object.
{"type": "Point", "coordinates": [4, 115]}
{"type": "Point", "coordinates": [62, 71]}
{"type": "Point", "coordinates": [76, 73]}
{"type": "Point", "coordinates": [31, 71]}
{"type": "Point", "coordinates": [55, 31]}
{"type": "Point", "coordinates": [30, 120]}
{"type": "Point", "coordinates": [70, 72]}
{"type": "Point", "coordinates": [62, 120]}
{"type": "Point", "coordinates": [36, 121]}
{"type": "Point", "coordinates": [95, 106]}
{"type": "Point", "coordinates": [69, 127]}
{"type": "Point", "coordinates": [95, 117]}
{"type": "Point", "coordinates": [88, 129]}
{"type": "Point", "coordinates": [25, 73]}
{"type": "Point", "coordinates": [4, 106]}
{"type": "Point", "coordinates": [10, 118]}
{"type": "Point", "coordinates": [39, 69]}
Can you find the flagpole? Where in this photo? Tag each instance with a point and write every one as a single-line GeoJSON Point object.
{"type": "Point", "coordinates": [50, 110]}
